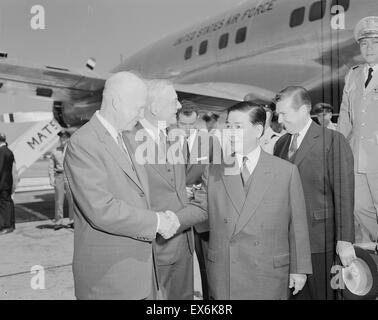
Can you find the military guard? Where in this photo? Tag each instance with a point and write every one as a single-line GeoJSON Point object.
{"type": "Point", "coordinates": [358, 122]}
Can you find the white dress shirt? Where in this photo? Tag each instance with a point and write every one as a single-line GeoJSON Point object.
{"type": "Point", "coordinates": [153, 131]}
{"type": "Point", "coordinates": [366, 73]}
{"type": "Point", "coordinates": [302, 133]}
{"type": "Point", "coordinates": [253, 158]}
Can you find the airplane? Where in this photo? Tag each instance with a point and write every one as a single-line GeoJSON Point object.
{"type": "Point", "coordinates": [249, 52]}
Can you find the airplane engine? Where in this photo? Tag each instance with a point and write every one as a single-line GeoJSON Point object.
{"type": "Point", "coordinates": [74, 114]}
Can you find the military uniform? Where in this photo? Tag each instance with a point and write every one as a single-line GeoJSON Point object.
{"type": "Point", "coordinates": [358, 122]}
{"type": "Point", "coordinates": [61, 188]}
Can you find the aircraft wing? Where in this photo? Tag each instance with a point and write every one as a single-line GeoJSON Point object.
{"type": "Point", "coordinates": [218, 96]}
{"type": "Point", "coordinates": [47, 81]}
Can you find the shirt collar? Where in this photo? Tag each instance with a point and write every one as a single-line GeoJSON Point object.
{"type": "Point", "coordinates": [253, 157]}
{"type": "Point", "coordinates": [2, 144]}
{"type": "Point", "coordinates": [375, 69]}
{"type": "Point", "coordinates": [113, 132]}
{"type": "Point", "coordinates": [303, 132]}
{"type": "Point", "coordinates": [152, 130]}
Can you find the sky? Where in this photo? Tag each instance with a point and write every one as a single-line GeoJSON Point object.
{"type": "Point", "coordinates": [76, 30]}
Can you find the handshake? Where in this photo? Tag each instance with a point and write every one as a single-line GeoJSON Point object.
{"type": "Point", "coordinates": [168, 224]}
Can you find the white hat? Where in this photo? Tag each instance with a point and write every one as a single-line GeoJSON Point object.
{"type": "Point", "coordinates": [366, 28]}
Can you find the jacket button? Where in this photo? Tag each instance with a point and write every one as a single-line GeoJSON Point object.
{"type": "Point", "coordinates": [141, 194]}
{"type": "Point", "coordinates": [256, 243]}
{"type": "Point", "coordinates": [225, 220]}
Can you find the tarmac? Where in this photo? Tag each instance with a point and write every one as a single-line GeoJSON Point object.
{"type": "Point", "coordinates": [36, 260]}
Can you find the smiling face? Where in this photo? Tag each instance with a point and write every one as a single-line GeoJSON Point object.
{"type": "Point", "coordinates": [293, 119]}
{"type": "Point", "coordinates": [369, 50]}
{"type": "Point", "coordinates": [166, 104]}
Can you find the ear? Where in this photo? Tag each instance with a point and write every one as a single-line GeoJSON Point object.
{"type": "Point", "coordinates": [154, 108]}
{"type": "Point", "coordinates": [115, 102]}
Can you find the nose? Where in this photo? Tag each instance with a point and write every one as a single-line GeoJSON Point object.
{"type": "Point", "coordinates": [178, 106]}
{"type": "Point", "coordinates": [279, 118]}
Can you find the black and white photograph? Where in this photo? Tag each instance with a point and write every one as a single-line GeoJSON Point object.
{"type": "Point", "coordinates": [188, 152]}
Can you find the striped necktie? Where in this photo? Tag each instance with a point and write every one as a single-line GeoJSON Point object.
{"type": "Point", "coordinates": [122, 145]}
{"type": "Point", "coordinates": [294, 145]}
{"type": "Point", "coordinates": [245, 174]}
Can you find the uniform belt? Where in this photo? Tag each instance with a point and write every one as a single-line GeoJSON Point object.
{"type": "Point", "coordinates": [58, 171]}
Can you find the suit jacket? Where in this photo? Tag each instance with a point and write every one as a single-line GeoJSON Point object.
{"type": "Point", "coordinates": [256, 237]}
{"type": "Point", "coordinates": [358, 119]}
{"type": "Point", "coordinates": [167, 184]}
{"type": "Point", "coordinates": [114, 226]}
{"type": "Point", "coordinates": [325, 163]}
{"type": "Point", "coordinates": [6, 165]}
{"type": "Point", "coordinates": [200, 157]}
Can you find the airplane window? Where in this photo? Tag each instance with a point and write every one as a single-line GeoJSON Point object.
{"type": "Point", "coordinates": [241, 35]}
{"type": "Point", "coordinates": [202, 48]}
{"type": "Point", "coordinates": [297, 17]}
{"type": "Point", "coordinates": [223, 41]}
{"type": "Point", "coordinates": [344, 3]}
{"type": "Point", "coordinates": [188, 53]}
{"type": "Point", "coordinates": [317, 10]}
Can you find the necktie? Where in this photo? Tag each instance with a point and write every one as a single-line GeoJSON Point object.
{"type": "Point", "coordinates": [123, 148]}
{"type": "Point", "coordinates": [185, 151]}
{"type": "Point", "coordinates": [245, 174]}
{"type": "Point", "coordinates": [162, 148]}
{"type": "Point", "coordinates": [370, 76]}
{"type": "Point", "coordinates": [294, 145]}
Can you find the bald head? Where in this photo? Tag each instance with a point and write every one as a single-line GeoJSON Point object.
{"type": "Point", "coordinates": [124, 97]}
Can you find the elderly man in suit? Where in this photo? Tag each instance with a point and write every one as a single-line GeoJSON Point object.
{"type": "Point", "coordinates": [114, 224]}
{"type": "Point", "coordinates": [358, 122]}
{"type": "Point", "coordinates": [167, 182]}
{"type": "Point", "coordinates": [259, 242]}
{"type": "Point", "coordinates": [325, 163]}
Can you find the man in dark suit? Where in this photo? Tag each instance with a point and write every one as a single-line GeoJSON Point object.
{"type": "Point", "coordinates": [8, 181]}
{"type": "Point", "coordinates": [325, 164]}
{"type": "Point", "coordinates": [259, 243]}
{"type": "Point", "coordinates": [197, 151]}
{"type": "Point", "coordinates": [114, 224]}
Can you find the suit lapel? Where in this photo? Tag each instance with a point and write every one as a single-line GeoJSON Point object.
{"type": "Point", "coordinates": [159, 168]}
{"type": "Point", "coordinates": [283, 150]}
{"type": "Point", "coordinates": [308, 142]}
{"type": "Point", "coordinates": [114, 150]}
{"type": "Point", "coordinates": [138, 167]}
{"type": "Point", "coordinates": [262, 178]}
{"type": "Point", "coordinates": [233, 184]}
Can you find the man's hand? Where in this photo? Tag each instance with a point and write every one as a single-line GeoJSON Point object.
{"type": "Point", "coordinates": [169, 224]}
{"type": "Point", "coordinates": [346, 252]}
{"type": "Point", "coordinates": [297, 281]}
{"type": "Point", "coordinates": [52, 182]}
{"type": "Point", "coordinates": [189, 193]}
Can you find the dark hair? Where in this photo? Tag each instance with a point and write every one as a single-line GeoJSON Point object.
{"type": "Point", "coordinates": [299, 95]}
{"type": "Point", "coordinates": [188, 108]}
{"type": "Point", "coordinates": [320, 107]}
{"type": "Point", "coordinates": [256, 112]}
{"type": "Point", "coordinates": [3, 137]}
{"type": "Point", "coordinates": [207, 117]}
